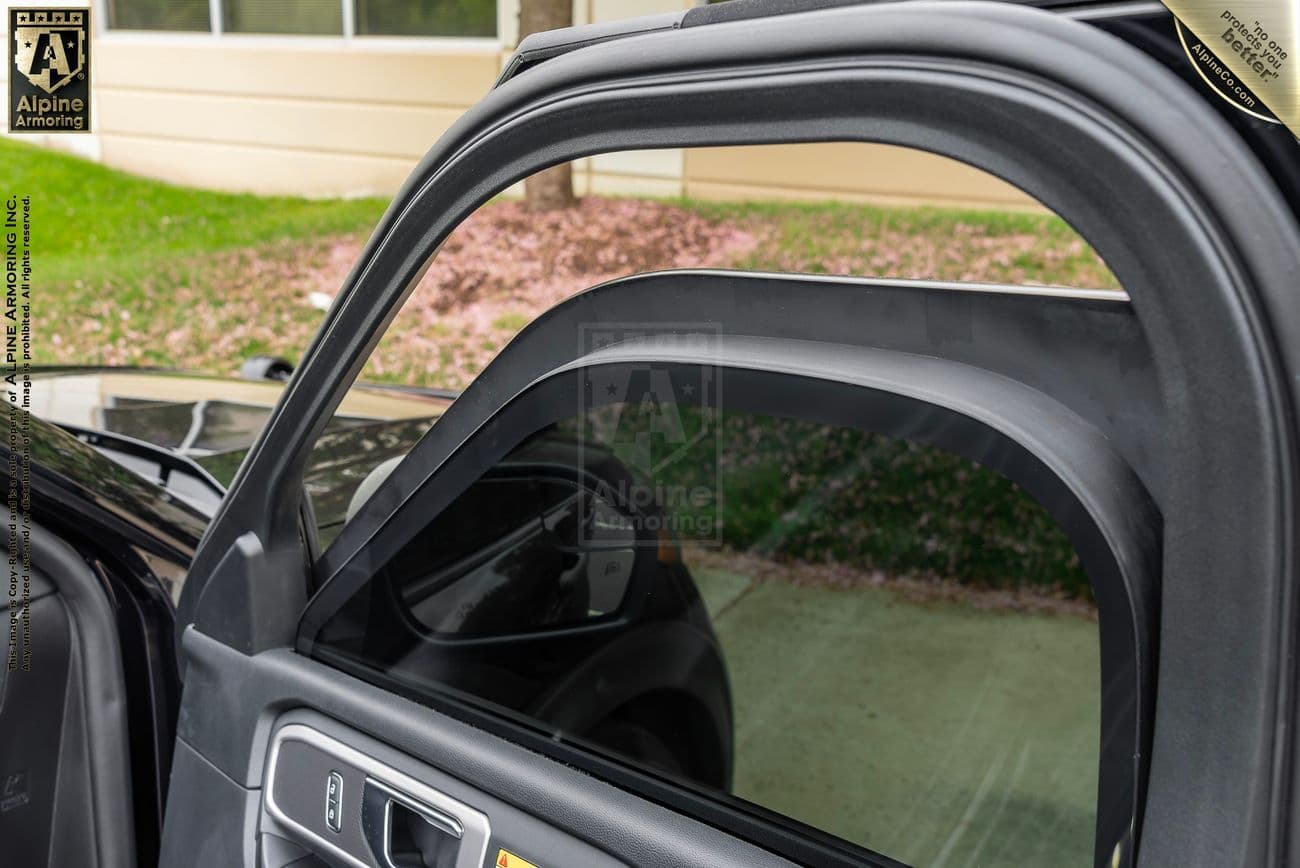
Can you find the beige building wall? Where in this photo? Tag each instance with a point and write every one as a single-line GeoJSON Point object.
{"type": "Point", "coordinates": [325, 116]}
{"type": "Point", "coordinates": [846, 171]}
{"type": "Point", "coordinates": [314, 117]}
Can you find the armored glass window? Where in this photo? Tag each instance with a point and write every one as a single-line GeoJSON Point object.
{"type": "Point", "coordinates": [879, 639]}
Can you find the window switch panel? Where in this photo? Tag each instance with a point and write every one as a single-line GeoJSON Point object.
{"type": "Point", "coordinates": [333, 801]}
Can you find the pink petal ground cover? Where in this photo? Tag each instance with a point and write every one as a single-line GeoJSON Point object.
{"type": "Point", "coordinates": [505, 265]}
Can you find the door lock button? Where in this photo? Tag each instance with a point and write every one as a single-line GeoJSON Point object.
{"type": "Point", "coordinates": [333, 801]}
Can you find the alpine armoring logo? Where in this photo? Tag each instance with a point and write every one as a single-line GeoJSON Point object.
{"type": "Point", "coordinates": [49, 82]}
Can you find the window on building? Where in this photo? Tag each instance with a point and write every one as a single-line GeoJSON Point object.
{"type": "Point", "coordinates": [439, 18]}
{"type": "Point", "coordinates": [311, 17]}
{"type": "Point", "coordinates": [474, 18]}
{"type": "Point", "coordinates": [174, 15]}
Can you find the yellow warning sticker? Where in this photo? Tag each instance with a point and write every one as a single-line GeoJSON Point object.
{"type": "Point", "coordinates": [506, 859]}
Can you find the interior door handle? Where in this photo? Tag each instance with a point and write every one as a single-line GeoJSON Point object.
{"type": "Point", "coordinates": [381, 817]}
{"type": "Point", "coordinates": [403, 832]}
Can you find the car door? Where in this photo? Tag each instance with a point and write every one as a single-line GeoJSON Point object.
{"type": "Point", "coordinates": [440, 685]}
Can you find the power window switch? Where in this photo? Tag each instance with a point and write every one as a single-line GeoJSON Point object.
{"type": "Point", "coordinates": [334, 801]}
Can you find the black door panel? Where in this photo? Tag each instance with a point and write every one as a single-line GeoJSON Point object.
{"type": "Point", "coordinates": [545, 812]}
{"type": "Point", "coordinates": [65, 769]}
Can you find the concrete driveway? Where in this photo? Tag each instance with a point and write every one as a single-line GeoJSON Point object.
{"type": "Point", "coordinates": [940, 734]}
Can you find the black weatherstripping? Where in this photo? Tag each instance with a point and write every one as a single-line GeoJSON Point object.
{"type": "Point", "coordinates": [1192, 226]}
{"type": "Point", "coordinates": [539, 47]}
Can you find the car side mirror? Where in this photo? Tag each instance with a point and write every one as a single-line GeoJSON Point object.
{"type": "Point", "coordinates": [519, 553]}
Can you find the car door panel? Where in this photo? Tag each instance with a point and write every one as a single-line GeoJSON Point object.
{"type": "Point", "coordinates": [64, 686]}
{"type": "Point", "coordinates": [535, 806]}
{"type": "Point", "coordinates": [1201, 241]}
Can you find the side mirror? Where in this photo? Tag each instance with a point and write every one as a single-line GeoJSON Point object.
{"type": "Point", "coordinates": [521, 551]}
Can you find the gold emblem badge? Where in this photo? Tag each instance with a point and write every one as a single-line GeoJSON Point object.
{"type": "Point", "coordinates": [49, 86]}
{"type": "Point", "coordinates": [1246, 51]}
{"type": "Point", "coordinates": [50, 46]}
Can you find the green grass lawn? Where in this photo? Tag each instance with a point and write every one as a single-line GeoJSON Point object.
{"type": "Point", "coordinates": [125, 263]}
{"type": "Point", "coordinates": [924, 242]}
{"type": "Point", "coordinates": [96, 224]}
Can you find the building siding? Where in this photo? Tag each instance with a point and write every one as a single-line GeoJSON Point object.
{"type": "Point", "coordinates": [850, 171]}
{"type": "Point", "coordinates": [319, 119]}
{"type": "Point", "coordinates": [321, 116]}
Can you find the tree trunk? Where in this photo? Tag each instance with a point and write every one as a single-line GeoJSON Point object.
{"type": "Point", "coordinates": [550, 189]}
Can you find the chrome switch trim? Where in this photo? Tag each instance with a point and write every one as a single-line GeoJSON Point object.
{"type": "Point", "coordinates": [473, 825]}
{"type": "Point", "coordinates": [334, 801]}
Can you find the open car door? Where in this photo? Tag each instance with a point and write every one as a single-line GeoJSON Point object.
{"type": "Point", "coordinates": [449, 683]}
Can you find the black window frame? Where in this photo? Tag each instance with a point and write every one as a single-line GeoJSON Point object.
{"type": "Point", "coordinates": [1057, 457]}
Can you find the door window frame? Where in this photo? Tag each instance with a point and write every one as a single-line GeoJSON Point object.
{"type": "Point", "coordinates": [1058, 458]}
